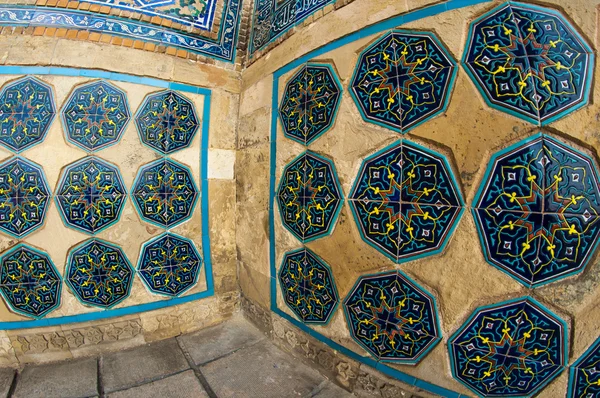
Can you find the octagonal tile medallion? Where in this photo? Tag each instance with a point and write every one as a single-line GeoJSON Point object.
{"type": "Point", "coordinates": [584, 374]}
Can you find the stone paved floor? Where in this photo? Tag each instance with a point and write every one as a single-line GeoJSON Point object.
{"type": "Point", "coordinates": [229, 360]}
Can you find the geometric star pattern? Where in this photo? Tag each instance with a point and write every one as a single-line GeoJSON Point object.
{"type": "Point", "coordinates": [309, 196]}
{"type": "Point", "coordinates": [392, 317]}
{"type": "Point", "coordinates": [405, 201]}
{"type": "Point", "coordinates": [29, 281]}
{"type": "Point", "coordinates": [514, 348]}
{"type": "Point", "coordinates": [90, 194]}
{"type": "Point", "coordinates": [529, 61]}
{"type": "Point", "coordinates": [310, 103]}
{"type": "Point", "coordinates": [26, 111]}
{"type": "Point", "coordinates": [403, 79]}
{"type": "Point", "coordinates": [24, 197]}
{"type": "Point", "coordinates": [308, 287]}
{"type": "Point", "coordinates": [99, 273]}
{"type": "Point", "coordinates": [166, 122]}
{"type": "Point", "coordinates": [584, 374]}
{"type": "Point", "coordinates": [164, 193]}
{"type": "Point", "coordinates": [537, 210]}
{"type": "Point", "coordinates": [95, 115]}
{"type": "Point", "coordinates": [169, 264]}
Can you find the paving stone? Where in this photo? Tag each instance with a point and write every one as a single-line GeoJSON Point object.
{"type": "Point", "coordinates": [66, 379]}
{"type": "Point", "coordinates": [141, 365]}
{"type": "Point", "coordinates": [209, 344]}
{"type": "Point", "coordinates": [330, 390]}
{"type": "Point", "coordinates": [260, 371]}
{"type": "Point", "coordinates": [181, 385]}
{"type": "Point", "coordinates": [6, 378]}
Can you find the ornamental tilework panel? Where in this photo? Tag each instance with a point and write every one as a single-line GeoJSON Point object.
{"type": "Point", "coordinates": [537, 210]}
{"type": "Point", "coordinates": [166, 122]}
{"type": "Point", "coordinates": [512, 349]}
{"type": "Point", "coordinates": [529, 61]}
{"type": "Point", "coordinates": [403, 79]}
{"type": "Point", "coordinates": [95, 115]}
{"type": "Point", "coordinates": [584, 377]}
{"type": "Point", "coordinates": [309, 196]}
{"type": "Point", "coordinates": [24, 197]}
{"type": "Point", "coordinates": [29, 281]}
{"type": "Point", "coordinates": [392, 317]}
{"type": "Point", "coordinates": [405, 201]}
{"type": "Point", "coordinates": [26, 111]}
{"type": "Point", "coordinates": [310, 103]}
{"type": "Point", "coordinates": [308, 287]}
{"type": "Point", "coordinates": [164, 193]}
{"type": "Point", "coordinates": [99, 273]}
{"type": "Point", "coordinates": [169, 264]}
{"type": "Point", "coordinates": [90, 194]}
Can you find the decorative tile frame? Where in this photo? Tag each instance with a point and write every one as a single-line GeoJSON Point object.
{"type": "Point", "coordinates": [584, 374]}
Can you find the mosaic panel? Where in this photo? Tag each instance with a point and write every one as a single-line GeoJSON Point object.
{"type": "Point", "coordinates": [537, 210]}
{"type": "Point", "coordinates": [166, 122]}
{"type": "Point", "coordinates": [513, 349]}
{"type": "Point", "coordinates": [26, 111]}
{"type": "Point", "coordinates": [403, 79]}
{"type": "Point", "coordinates": [309, 196]}
{"type": "Point", "coordinates": [90, 194]}
{"type": "Point", "coordinates": [164, 193]}
{"type": "Point", "coordinates": [29, 282]}
{"type": "Point", "coordinates": [24, 197]}
{"type": "Point", "coordinates": [405, 201]}
{"type": "Point", "coordinates": [95, 115]}
{"type": "Point", "coordinates": [392, 317]}
{"type": "Point", "coordinates": [310, 103]}
{"type": "Point", "coordinates": [584, 374]}
{"type": "Point", "coordinates": [169, 264]}
{"type": "Point", "coordinates": [529, 61]}
{"type": "Point", "coordinates": [308, 287]}
{"type": "Point", "coordinates": [99, 273]}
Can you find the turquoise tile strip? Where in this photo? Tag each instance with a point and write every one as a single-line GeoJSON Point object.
{"type": "Point", "coordinates": [206, 252]}
{"type": "Point", "coordinates": [371, 30]}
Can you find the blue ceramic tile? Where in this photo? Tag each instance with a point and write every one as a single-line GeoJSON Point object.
{"type": "Point", "coordinates": [99, 273]}
{"type": "Point", "coordinates": [392, 317]}
{"type": "Point", "coordinates": [308, 287]}
{"type": "Point", "coordinates": [26, 112]}
{"type": "Point", "coordinates": [90, 194]}
{"type": "Point", "coordinates": [167, 122]}
{"type": "Point", "coordinates": [310, 103]}
{"type": "Point", "coordinates": [529, 61]}
{"type": "Point", "coordinates": [29, 281]}
{"type": "Point", "coordinates": [95, 115]}
{"type": "Point", "coordinates": [169, 264]}
{"type": "Point", "coordinates": [403, 79]}
{"type": "Point", "coordinates": [584, 377]}
{"type": "Point", "coordinates": [513, 348]}
{"type": "Point", "coordinates": [164, 193]}
{"type": "Point", "coordinates": [24, 197]}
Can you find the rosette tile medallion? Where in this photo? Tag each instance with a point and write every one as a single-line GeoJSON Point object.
{"type": "Point", "coordinates": [24, 197]}
{"type": "Point", "coordinates": [310, 103]}
{"type": "Point", "coordinates": [166, 122]}
{"type": "Point", "coordinates": [584, 374]}
{"type": "Point", "coordinates": [514, 348]}
{"type": "Point", "coordinates": [95, 115]}
{"type": "Point", "coordinates": [308, 287]}
{"type": "Point", "coordinates": [537, 210]}
{"type": "Point", "coordinates": [169, 264]}
{"type": "Point", "coordinates": [529, 61]}
{"type": "Point", "coordinates": [26, 111]}
{"type": "Point", "coordinates": [392, 317]}
{"type": "Point", "coordinates": [403, 79]}
{"type": "Point", "coordinates": [99, 273]}
{"type": "Point", "coordinates": [164, 193]}
{"type": "Point", "coordinates": [405, 201]}
{"type": "Point", "coordinates": [90, 195]}
{"type": "Point", "coordinates": [29, 281]}
{"type": "Point", "coordinates": [309, 196]}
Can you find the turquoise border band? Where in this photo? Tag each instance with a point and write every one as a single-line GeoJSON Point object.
{"type": "Point", "coordinates": [368, 31]}
{"type": "Point", "coordinates": [206, 253]}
